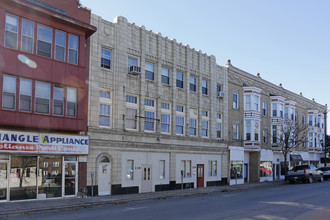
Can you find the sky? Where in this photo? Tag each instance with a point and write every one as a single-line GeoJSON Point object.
{"type": "Point", "coordinates": [285, 41]}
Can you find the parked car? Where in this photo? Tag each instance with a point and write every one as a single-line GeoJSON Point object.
{"type": "Point", "coordinates": [305, 173]}
{"type": "Point", "coordinates": [326, 172]}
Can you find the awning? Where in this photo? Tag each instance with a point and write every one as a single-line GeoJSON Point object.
{"type": "Point", "coordinates": [296, 157]}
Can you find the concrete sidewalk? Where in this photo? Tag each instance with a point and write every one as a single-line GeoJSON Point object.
{"type": "Point", "coordinates": [34, 206]}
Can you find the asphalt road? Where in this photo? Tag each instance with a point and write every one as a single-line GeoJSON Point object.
{"type": "Point", "coordinates": [298, 201]}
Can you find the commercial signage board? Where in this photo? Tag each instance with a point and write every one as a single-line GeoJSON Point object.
{"type": "Point", "coordinates": [43, 143]}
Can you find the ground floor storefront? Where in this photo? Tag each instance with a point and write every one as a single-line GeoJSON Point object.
{"type": "Point", "coordinates": [114, 171]}
{"type": "Point", "coordinates": [263, 165]}
{"type": "Point", "coordinates": [40, 165]}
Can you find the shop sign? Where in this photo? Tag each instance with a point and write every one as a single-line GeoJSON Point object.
{"type": "Point", "coordinates": [42, 143]}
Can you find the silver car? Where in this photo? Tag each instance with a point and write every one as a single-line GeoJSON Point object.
{"type": "Point", "coordinates": [326, 172]}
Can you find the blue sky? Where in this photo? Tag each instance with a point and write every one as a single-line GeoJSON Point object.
{"type": "Point", "coordinates": [285, 41]}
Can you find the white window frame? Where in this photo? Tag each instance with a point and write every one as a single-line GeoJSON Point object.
{"type": "Point", "coordinates": [71, 100]}
{"type": "Point", "coordinates": [130, 169]}
{"type": "Point", "coordinates": [180, 117]}
{"type": "Point", "coordinates": [205, 87]}
{"type": "Point", "coordinates": [44, 98]}
{"type": "Point", "coordinates": [235, 103]}
{"type": "Point", "coordinates": [44, 41]}
{"type": "Point", "coordinates": [165, 75]}
{"type": "Point", "coordinates": [105, 100]}
{"type": "Point", "coordinates": [193, 118]}
{"type": "Point", "coordinates": [162, 171]}
{"type": "Point", "coordinates": [264, 108]}
{"type": "Point", "coordinates": [133, 106]}
{"type": "Point", "coordinates": [26, 36]}
{"type": "Point", "coordinates": [149, 110]}
{"type": "Point", "coordinates": [194, 84]}
{"type": "Point", "coordinates": [150, 71]}
{"type": "Point", "coordinates": [219, 125]}
{"type": "Point", "coordinates": [11, 31]}
{"type": "Point", "coordinates": [179, 82]}
{"type": "Point", "coordinates": [213, 168]}
{"type": "Point", "coordinates": [235, 131]}
{"type": "Point", "coordinates": [11, 91]}
{"type": "Point", "coordinates": [105, 57]}
{"type": "Point", "coordinates": [58, 45]}
{"type": "Point", "coordinates": [73, 49]}
{"type": "Point", "coordinates": [165, 114]}
{"type": "Point", "coordinates": [58, 100]}
{"type": "Point", "coordinates": [205, 124]}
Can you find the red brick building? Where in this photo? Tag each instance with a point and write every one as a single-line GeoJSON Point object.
{"type": "Point", "coordinates": [44, 98]}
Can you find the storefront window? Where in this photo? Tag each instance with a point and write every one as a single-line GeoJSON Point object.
{"type": "Point", "coordinates": [3, 180]}
{"type": "Point", "coordinates": [266, 169]}
{"type": "Point", "coordinates": [50, 173]}
{"type": "Point", "coordinates": [236, 170]}
{"type": "Point", "coordinates": [23, 177]}
{"type": "Point", "coordinates": [70, 178]}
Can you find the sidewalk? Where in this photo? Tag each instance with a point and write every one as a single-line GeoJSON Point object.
{"type": "Point", "coordinates": [21, 207]}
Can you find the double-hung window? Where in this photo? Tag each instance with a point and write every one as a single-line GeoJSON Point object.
{"type": "Point", "coordinates": [105, 58]}
{"type": "Point", "coordinates": [165, 76]}
{"type": "Point", "coordinates": [204, 87]}
{"type": "Point", "coordinates": [219, 122]}
{"type": "Point", "coordinates": [58, 102]}
{"type": "Point", "coordinates": [265, 135]}
{"type": "Point", "coordinates": [11, 34]}
{"type": "Point", "coordinates": [274, 110]}
{"type": "Point", "coordinates": [256, 130]}
{"type": "Point", "coordinates": [60, 42]}
{"type": "Point", "coordinates": [213, 168]}
{"type": "Point", "coordinates": [71, 102]}
{"type": "Point", "coordinates": [25, 95]}
{"type": "Point", "coordinates": [27, 36]}
{"type": "Point", "coordinates": [44, 41]}
{"type": "Point", "coordinates": [179, 80]}
{"type": "Point", "coordinates": [256, 103]}
{"type": "Point", "coordinates": [236, 131]}
{"type": "Point", "coordinates": [264, 108]}
{"type": "Point", "coordinates": [129, 169]}
{"type": "Point", "coordinates": [248, 130]}
{"type": "Point", "coordinates": [274, 134]}
{"type": "Point", "coordinates": [192, 83]}
{"type": "Point", "coordinates": [179, 129]}
{"type": "Point", "coordinates": [131, 112]}
{"type": "Point", "coordinates": [9, 92]}
{"type": "Point", "coordinates": [149, 115]}
{"type": "Point", "coordinates": [150, 71]}
{"type": "Point", "coordinates": [193, 122]}
{"type": "Point", "coordinates": [205, 123]}
{"type": "Point", "coordinates": [73, 49]}
{"type": "Point", "coordinates": [235, 100]}
{"type": "Point", "coordinates": [42, 97]}
{"type": "Point", "coordinates": [105, 108]}
{"type": "Point", "coordinates": [165, 117]}
{"type": "Point", "coordinates": [248, 102]}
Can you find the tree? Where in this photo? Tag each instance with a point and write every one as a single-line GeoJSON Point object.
{"type": "Point", "coordinates": [290, 136]}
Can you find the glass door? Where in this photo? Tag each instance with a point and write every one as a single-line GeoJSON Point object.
{"type": "Point", "coordinates": [3, 180]}
{"type": "Point", "coordinates": [70, 179]}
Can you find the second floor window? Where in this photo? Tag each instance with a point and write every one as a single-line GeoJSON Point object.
{"type": "Point", "coordinates": [42, 93]}
{"type": "Point", "coordinates": [104, 117]}
{"type": "Point", "coordinates": [149, 121]}
{"type": "Point", "coordinates": [58, 100]}
{"type": "Point", "coordinates": [73, 49]}
{"type": "Point", "coordinates": [27, 36]}
{"type": "Point", "coordinates": [71, 102]}
{"type": "Point", "coordinates": [192, 127]}
{"type": "Point", "coordinates": [60, 43]}
{"type": "Point", "coordinates": [105, 58]}
{"type": "Point", "coordinates": [25, 95]}
{"type": "Point", "coordinates": [9, 92]}
{"type": "Point", "coordinates": [11, 35]}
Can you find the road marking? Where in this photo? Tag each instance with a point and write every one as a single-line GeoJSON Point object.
{"type": "Point", "coordinates": [130, 209]}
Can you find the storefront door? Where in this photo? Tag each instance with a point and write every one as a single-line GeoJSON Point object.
{"type": "Point", "coordinates": [146, 185]}
{"type": "Point", "coordinates": [4, 180]}
{"type": "Point", "coordinates": [200, 175]}
{"type": "Point", "coordinates": [70, 179]}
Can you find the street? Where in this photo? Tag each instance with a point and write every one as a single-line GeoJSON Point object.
{"type": "Point", "coordinates": [297, 201]}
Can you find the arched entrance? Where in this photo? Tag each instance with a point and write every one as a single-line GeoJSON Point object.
{"type": "Point", "coordinates": [104, 175]}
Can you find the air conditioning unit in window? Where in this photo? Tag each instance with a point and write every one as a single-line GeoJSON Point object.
{"type": "Point", "coordinates": [221, 94]}
{"type": "Point", "coordinates": [134, 70]}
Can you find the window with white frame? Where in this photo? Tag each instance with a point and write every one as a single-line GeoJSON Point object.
{"type": "Point", "coordinates": [105, 58]}
{"type": "Point", "coordinates": [186, 168]}
{"type": "Point", "coordinates": [73, 49]}
{"type": "Point", "coordinates": [165, 76]}
{"type": "Point", "coordinates": [236, 131]}
{"type": "Point", "coordinates": [274, 134]}
{"type": "Point", "coordinates": [281, 110]}
{"type": "Point", "coordinates": [303, 141]}
{"type": "Point", "coordinates": [310, 139]}
{"type": "Point", "coordinates": [58, 101]}
{"type": "Point", "coordinates": [193, 122]}
{"type": "Point", "coordinates": [192, 83]}
{"type": "Point", "coordinates": [247, 102]}
{"type": "Point", "coordinates": [42, 97]}
{"type": "Point", "coordinates": [286, 113]}
{"type": "Point", "coordinates": [71, 102]}
{"type": "Point", "coordinates": [204, 87]}
{"type": "Point", "coordinates": [45, 164]}
{"type": "Point", "coordinates": [25, 95]}
{"type": "Point", "coordinates": [248, 127]}
{"type": "Point", "coordinates": [310, 120]}
{"type": "Point", "coordinates": [256, 103]}
{"type": "Point", "coordinates": [179, 80]}
{"type": "Point", "coordinates": [105, 108]}
{"type": "Point", "coordinates": [149, 115]}
{"type": "Point", "coordinates": [235, 100]}
{"type": "Point", "coordinates": [274, 110]}
{"type": "Point", "coordinates": [129, 169]}
{"type": "Point", "coordinates": [256, 130]}
{"type": "Point", "coordinates": [179, 129]}
{"type": "Point", "coordinates": [44, 41]}
{"type": "Point", "coordinates": [60, 44]}
{"type": "Point", "coordinates": [11, 31]}
{"type": "Point", "coordinates": [205, 123]}
{"type": "Point", "coordinates": [165, 117]}
{"type": "Point", "coordinates": [219, 124]}
{"type": "Point", "coordinates": [8, 92]}
{"type": "Point", "coordinates": [131, 112]}
{"type": "Point", "coordinates": [56, 164]}
{"type": "Point", "coordinates": [27, 36]}
{"type": "Point", "coordinates": [162, 169]}
{"type": "Point", "coordinates": [150, 71]}
{"type": "Point", "coordinates": [264, 108]}
{"type": "Point", "coordinates": [213, 171]}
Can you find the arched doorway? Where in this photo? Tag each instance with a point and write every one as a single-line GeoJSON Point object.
{"type": "Point", "coordinates": [104, 175]}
